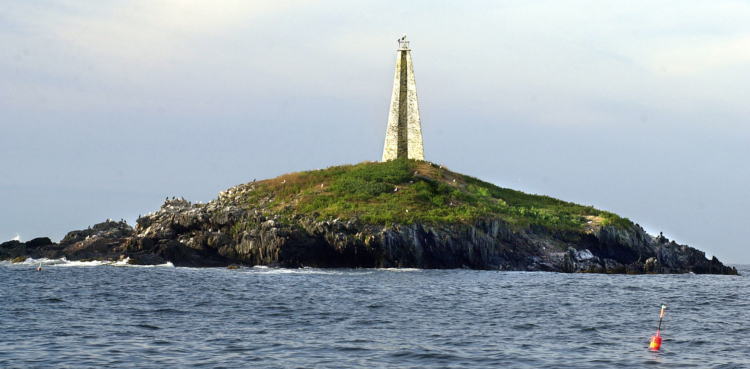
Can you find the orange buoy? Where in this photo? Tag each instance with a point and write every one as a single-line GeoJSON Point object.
{"type": "Point", "coordinates": [655, 342]}
{"type": "Point", "coordinates": [656, 339]}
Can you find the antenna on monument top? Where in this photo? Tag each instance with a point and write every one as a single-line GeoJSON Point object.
{"type": "Point", "coordinates": [402, 43]}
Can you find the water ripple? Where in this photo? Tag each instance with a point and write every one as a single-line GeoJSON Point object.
{"type": "Point", "coordinates": [112, 316]}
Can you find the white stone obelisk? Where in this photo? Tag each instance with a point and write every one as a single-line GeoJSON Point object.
{"type": "Point", "coordinates": [403, 138]}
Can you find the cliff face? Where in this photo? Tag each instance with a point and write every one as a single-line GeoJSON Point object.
{"type": "Point", "coordinates": [222, 233]}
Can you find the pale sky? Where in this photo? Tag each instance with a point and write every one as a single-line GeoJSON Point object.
{"type": "Point", "coordinates": [638, 107]}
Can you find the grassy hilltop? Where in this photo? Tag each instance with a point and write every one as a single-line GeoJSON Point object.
{"type": "Point", "coordinates": [406, 191]}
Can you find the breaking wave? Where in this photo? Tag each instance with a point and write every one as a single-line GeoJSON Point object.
{"type": "Point", "coordinates": [63, 262]}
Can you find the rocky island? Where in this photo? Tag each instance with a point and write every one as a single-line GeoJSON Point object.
{"type": "Point", "coordinates": [402, 213]}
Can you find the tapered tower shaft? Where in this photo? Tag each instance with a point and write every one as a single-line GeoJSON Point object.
{"type": "Point", "coordinates": [403, 137]}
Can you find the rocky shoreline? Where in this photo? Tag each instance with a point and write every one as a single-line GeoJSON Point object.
{"type": "Point", "coordinates": [221, 234]}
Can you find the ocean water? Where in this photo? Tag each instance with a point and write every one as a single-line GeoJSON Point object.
{"type": "Point", "coordinates": [94, 315]}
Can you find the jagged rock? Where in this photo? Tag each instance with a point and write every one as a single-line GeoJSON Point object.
{"type": "Point", "coordinates": [39, 242]}
{"type": "Point", "coordinates": [277, 223]}
{"type": "Point", "coordinates": [221, 233]}
{"type": "Point", "coordinates": [146, 259]}
{"type": "Point", "coordinates": [635, 268]}
{"type": "Point", "coordinates": [19, 259]}
{"type": "Point", "coordinates": [12, 249]}
{"type": "Point", "coordinates": [652, 266]}
{"type": "Point", "coordinates": [613, 267]}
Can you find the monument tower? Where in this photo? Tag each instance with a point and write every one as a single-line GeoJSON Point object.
{"type": "Point", "coordinates": [403, 137]}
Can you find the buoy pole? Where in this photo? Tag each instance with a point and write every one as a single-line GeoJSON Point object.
{"type": "Point", "coordinates": [656, 339]}
{"type": "Point", "coordinates": [40, 267]}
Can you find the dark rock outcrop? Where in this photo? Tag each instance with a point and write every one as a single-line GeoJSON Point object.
{"type": "Point", "coordinates": [222, 233]}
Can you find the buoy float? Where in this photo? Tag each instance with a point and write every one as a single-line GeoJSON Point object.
{"type": "Point", "coordinates": [40, 267]}
{"type": "Point", "coordinates": [656, 339]}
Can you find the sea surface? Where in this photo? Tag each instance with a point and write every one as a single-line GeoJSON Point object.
{"type": "Point", "coordinates": [93, 315]}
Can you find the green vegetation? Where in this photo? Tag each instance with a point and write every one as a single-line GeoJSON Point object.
{"type": "Point", "coordinates": [407, 191]}
{"type": "Point", "coordinates": [20, 259]}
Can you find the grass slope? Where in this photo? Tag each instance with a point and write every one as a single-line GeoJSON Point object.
{"type": "Point", "coordinates": [407, 191]}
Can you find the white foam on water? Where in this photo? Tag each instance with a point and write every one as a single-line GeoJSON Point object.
{"type": "Point", "coordinates": [289, 271]}
{"type": "Point", "coordinates": [124, 263]}
{"type": "Point", "coordinates": [262, 269]}
{"type": "Point", "coordinates": [63, 262]}
{"type": "Point", "coordinates": [257, 269]}
{"type": "Point", "coordinates": [43, 261]}
{"type": "Point", "coordinates": [400, 270]}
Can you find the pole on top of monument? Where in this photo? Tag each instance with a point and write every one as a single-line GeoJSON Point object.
{"type": "Point", "coordinates": [402, 43]}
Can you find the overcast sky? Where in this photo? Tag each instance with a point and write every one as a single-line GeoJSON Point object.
{"type": "Point", "coordinates": [640, 108]}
